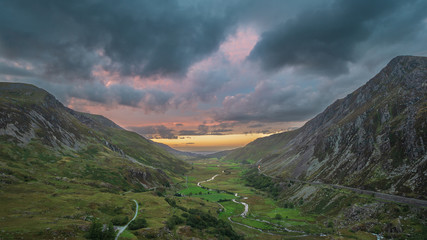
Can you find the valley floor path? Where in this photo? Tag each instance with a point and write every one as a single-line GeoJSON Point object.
{"type": "Point", "coordinates": [121, 229]}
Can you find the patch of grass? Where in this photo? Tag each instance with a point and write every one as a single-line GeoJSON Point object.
{"type": "Point", "coordinates": [127, 235]}
{"type": "Point", "coordinates": [193, 190]}
{"type": "Point", "coordinates": [287, 213]}
{"type": "Point", "coordinates": [253, 223]}
{"type": "Point", "coordinates": [231, 209]}
{"type": "Point", "coordinates": [215, 197]}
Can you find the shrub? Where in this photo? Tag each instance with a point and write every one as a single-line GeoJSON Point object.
{"type": "Point", "coordinates": [173, 221]}
{"type": "Point", "coordinates": [138, 223]}
{"type": "Point", "coordinates": [171, 202]}
{"type": "Point", "coordinates": [120, 220]}
{"type": "Point", "coordinates": [95, 231]}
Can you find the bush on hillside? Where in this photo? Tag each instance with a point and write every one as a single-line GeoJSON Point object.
{"type": "Point", "coordinates": [138, 223]}
{"type": "Point", "coordinates": [120, 220]}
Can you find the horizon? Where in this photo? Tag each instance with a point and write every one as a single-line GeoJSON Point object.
{"type": "Point", "coordinates": [205, 75]}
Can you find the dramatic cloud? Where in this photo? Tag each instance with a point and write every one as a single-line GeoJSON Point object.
{"type": "Point", "coordinates": [155, 131]}
{"type": "Point", "coordinates": [270, 103]}
{"type": "Point", "coordinates": [144, 38]}
{"type": "Point", "coordinates": [14, 71]}
{"type": "Point", "coordinates": [205, 67]}
{"type": "Point", "coordinates": [147, 100]}
{"type": "Point", "coordinates": [258, 125]}
{"type": "Point", "coordinates": [221, 131]}
{"type": "Point", "coordinates": [325, 40]}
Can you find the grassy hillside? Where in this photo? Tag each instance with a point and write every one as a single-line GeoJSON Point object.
{"type": "Point", "coordinates": [60, 169]}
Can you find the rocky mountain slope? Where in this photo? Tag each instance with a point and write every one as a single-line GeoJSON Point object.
{"type": "Point", "coordinates": [375, 138]}
{"type": "Point", "coordinates": [34, 126]}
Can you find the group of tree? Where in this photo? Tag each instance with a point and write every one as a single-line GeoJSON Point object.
{"type": "Point", "coordinates": [261, 182]}
{"type": "Point", "coordinates": [97, 231]}
{"type": "Point", "coordinates": [201, 220]}
{"type": "Point", "coordinates": [120, 220]}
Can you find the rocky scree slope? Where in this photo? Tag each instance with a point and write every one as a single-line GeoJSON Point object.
{"type": "Point", "coordinates": [30, 116]}
{"type": "Point", "coordinates": [375, 138]}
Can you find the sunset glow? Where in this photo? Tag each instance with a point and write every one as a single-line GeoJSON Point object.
{"type": "Point", "coordinates": [210, 143]}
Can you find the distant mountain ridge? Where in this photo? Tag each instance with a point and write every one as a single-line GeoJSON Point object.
{"type": "Point", "coordinates": [179, 154]}
{"type": "Point", "coordinates": [375, 138]}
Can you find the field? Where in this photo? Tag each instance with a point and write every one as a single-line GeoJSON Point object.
{"type": "Point", "coordinates": [263, 210]}
{"type": "Point", "coordinates": [64, 207]}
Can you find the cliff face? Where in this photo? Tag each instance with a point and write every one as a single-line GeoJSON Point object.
{"type": "Point", "coordinates": [375, 138]}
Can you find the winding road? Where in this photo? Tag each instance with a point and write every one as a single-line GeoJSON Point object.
{"type": "Point", "coordinates": [378, 195]}
{"type": "Point", "coordinates": [121, 229]}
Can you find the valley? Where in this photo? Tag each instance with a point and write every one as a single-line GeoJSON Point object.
{"type": "Point", "coordinates": [64, 209]}
{"type": "Point", "coordinates": [267, 218]}
{"type": "Point", "coordinates": [355, 171]}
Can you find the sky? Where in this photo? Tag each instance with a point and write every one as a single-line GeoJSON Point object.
{"type": "Point", "coordinates": [205, 75]}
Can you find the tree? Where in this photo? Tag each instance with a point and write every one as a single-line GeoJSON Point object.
{"type": "Point", "coordinates": [110, 234]}
{"type": "Point", "coordinates": [95, 230]}
{"type": "Point", "coordinates": [96, 233]}
{"type": "Point", "coordinates": [120, 220]}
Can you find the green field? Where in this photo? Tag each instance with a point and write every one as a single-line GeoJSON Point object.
{"type": "Point", "coordinates": [260, 206]}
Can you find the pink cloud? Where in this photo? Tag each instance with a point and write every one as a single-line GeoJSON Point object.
{"type": "Point", "coordinates": [238, 47]}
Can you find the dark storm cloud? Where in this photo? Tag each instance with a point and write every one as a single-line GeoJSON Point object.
{"type": "Point", "coordinates": [207, 84]}
{"type": "Point", "coordinates": [201, 130]}
{"type": "Point", "coordinates": [337, 45]}
{"type": "Point", "coordinates": [221, 128]}
{"type": "Point", "coordinates": [14, 71]}
{"type": "Point", "coordinates": [145, 38]}
{"type": "Point", "coordinates": [257, 125]}
{"type": "Point", "coordinates": [153, 131]}
{"type": "Point", "coordinates": [270, 103]}
{"type": "Point", "coordinates": [149, 100]}
{"type": "Point", "coordinates": [324, 40]}
{"type": "Point", "coordinates": [221, 131]}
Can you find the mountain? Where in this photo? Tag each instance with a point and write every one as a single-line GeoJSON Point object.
{"type": "Point", "coordinates": [375, 138]}
{"type": "Point", "coordinates": [66, 174]}
{"type": "Point", "coordinates": [38, 130]}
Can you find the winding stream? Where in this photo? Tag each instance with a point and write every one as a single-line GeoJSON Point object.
{"type": "Point", "coordinates": [245, 213]}
{"type": "Point", "coordinates": [212, 178]}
